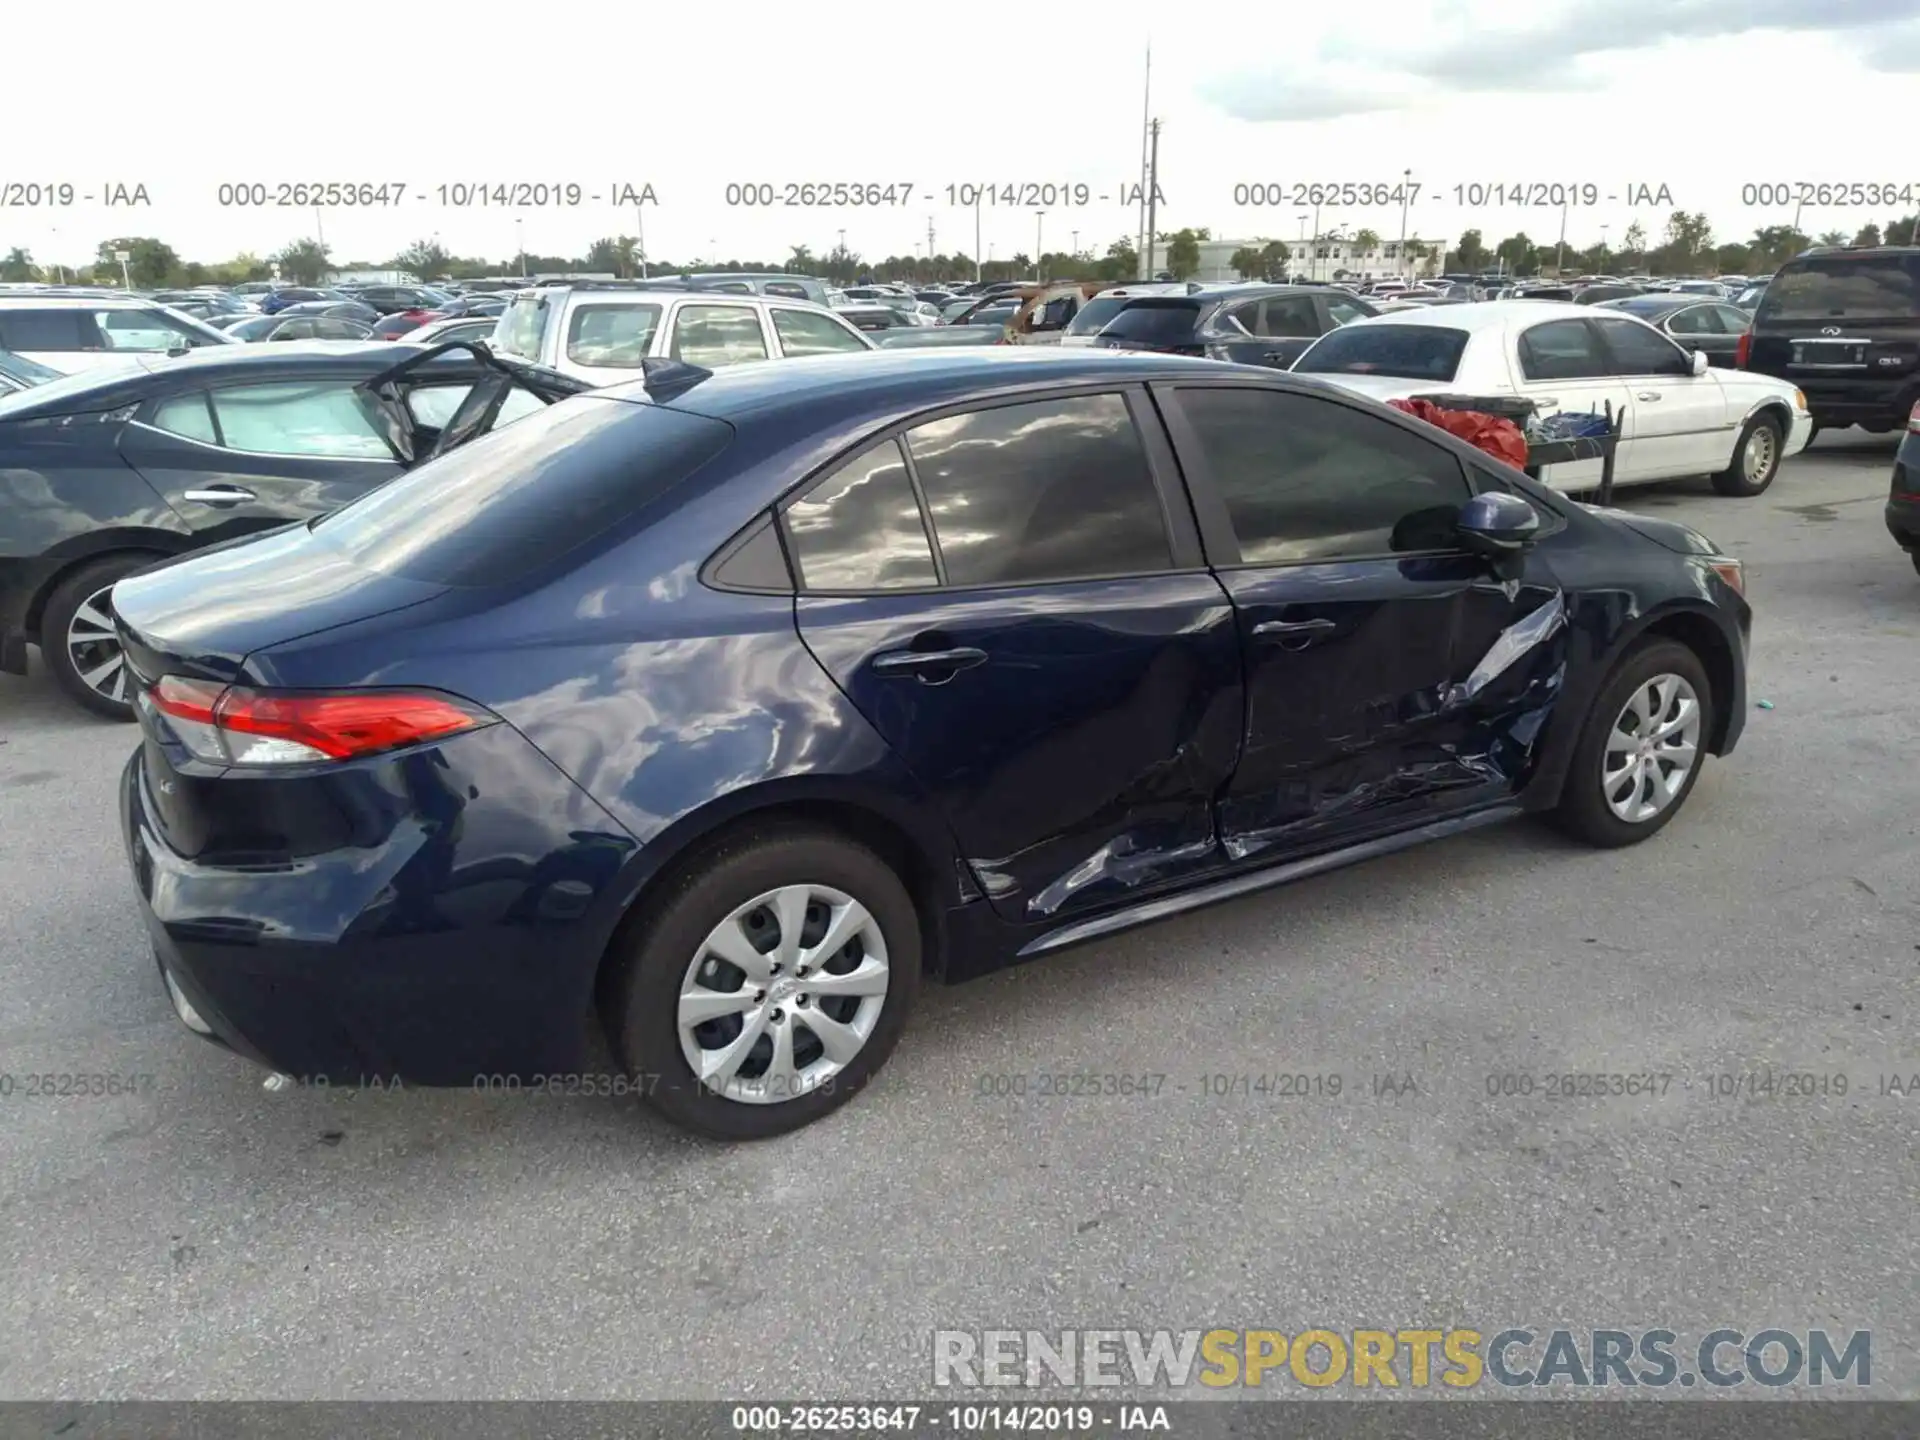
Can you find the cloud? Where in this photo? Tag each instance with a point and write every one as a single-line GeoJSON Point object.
{"type": "Point", "coordinates": [1546, 56]}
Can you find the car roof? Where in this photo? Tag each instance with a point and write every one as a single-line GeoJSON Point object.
{"type": "Point", "coordinates": [17, 301]}
{"type": "Point", "coordinates": [1481, 315]}
{"type": "Point", "coordinates": [883, 381]}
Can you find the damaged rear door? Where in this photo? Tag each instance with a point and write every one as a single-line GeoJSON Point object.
{"type": "Point", "coordinates": [1013, 596]}
{"type": "Point", "coordinates": [1391, 677]}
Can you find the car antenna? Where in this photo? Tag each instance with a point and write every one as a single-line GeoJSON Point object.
{"type": "Point", "coordinates": [665, 379]}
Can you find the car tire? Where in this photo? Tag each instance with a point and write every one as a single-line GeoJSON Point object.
{"type": "Point", "coordinates": [79, 652]}
{"type": "Point", "coordinates": [1598, 804]}
{"type": "Point", "coordinates": [736, 893]}
{"type": "Point", "coordinates": [1756, 459]}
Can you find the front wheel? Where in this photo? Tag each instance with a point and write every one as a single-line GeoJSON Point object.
{"type": "Point", "coordinates": [1756, 459]}
{"type": "Point", "coordinates": [770, 984]}
{"type": "Point", "coordinates": [1640, 753]}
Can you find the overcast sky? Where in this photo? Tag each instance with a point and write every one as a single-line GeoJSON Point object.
{"type": "Point", "coordinates": [1702, 97]}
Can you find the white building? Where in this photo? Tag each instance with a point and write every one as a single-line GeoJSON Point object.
{"type": "Point", "coordinates": [1334, 258]}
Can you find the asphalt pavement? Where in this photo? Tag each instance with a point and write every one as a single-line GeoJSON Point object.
{"type": "Point", "coordinates": [206, 1238]}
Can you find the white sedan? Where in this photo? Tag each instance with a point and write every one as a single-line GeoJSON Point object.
{"type": "Point", "coordinates": [1683, 417]}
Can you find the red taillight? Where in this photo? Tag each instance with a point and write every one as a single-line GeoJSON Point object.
{"type": "Point", "coordinates": [1742, 350]}
{"type": "Point", "coordinates": [235, 725]}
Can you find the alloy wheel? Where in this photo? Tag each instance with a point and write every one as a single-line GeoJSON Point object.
{"type": "Point", "coordinates": [1651, 749]}
{"type": "Point", "coordinates": [1756, 459]}
{"type": "Point", "coordinates": [93, 647]}
{"type": "Point", "coordinates": [783, 994]}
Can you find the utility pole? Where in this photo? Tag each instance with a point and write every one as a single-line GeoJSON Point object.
{"type": "Point", "coordinates": [1560, 250]}
{"type": "Point", "coordinates": [929, 239]}
{"type": "Point", "coordinates": [1153, 190]}
{"type": "Point", "coordinates": [520, 243]}
{"type": "Point", "coordinates": [976, 235]}
{"type": "Point", "coordinates": [1317, 237]}
{"type": "Point", "coordinates": [1146, 116]}
{"type": "Point", "coordinates": [1039, 245]}
{"type": "Point", "coordinates": [1406, 177]}
{"type": "Point", "coordinates": [640, 214]}
{"type": "Point", "coordinates": [319, 228]}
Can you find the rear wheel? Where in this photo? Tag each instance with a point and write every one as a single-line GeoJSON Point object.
{"type": "Point", "coordinates": [78, 641]}
{"type": "Point", "coordinates": [769, 985]}
{"type": "Point", "coordinates": [1756, 459]}
{"type": "Point", "coordinates": [1640, 753]}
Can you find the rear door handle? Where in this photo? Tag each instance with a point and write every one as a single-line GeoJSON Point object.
{"type": "Point", "coordinates": [220, 495]}
{"type": "Point", "coordinates": [1296, 632]}
{"type": "Point", "coordinates": [1648, 395]}
{"type": "Point", "coordinates": [926, 663]}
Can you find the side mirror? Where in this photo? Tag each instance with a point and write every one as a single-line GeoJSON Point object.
{"type": "Point", "coordinates": [1700, 362]}
{"type": "Point", "coordinates": [1496, 524]}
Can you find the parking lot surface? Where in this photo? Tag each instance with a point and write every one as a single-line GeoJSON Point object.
{"type": "Point", "coordinates": [206, 1238]}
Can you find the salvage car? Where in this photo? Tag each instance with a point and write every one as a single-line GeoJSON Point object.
{"type": "Point", "coordinates": [1682, 417]}
{"type": "Point", "coordinates": [722, 708]}
{"type": "Point", "coordinates": [1903, 499]}
{"type": "Point", "coordinates": [1248, 324]}
{"type": "Point", "coordinates": [104, 473]}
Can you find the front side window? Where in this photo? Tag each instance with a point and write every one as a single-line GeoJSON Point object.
{"type": "Point", "coordinates": [146, 331]}
{"type": "Point", "coordinates": [1307, 479]}
{"type": "Point", "coordinates": [1289, 317]}
{"type": "Point", "coordinates": [803, 332]}
{"type": "Point", "coordinates": [1053, 490]}
{"type": "Point", "coordinates": [616, 336]}
{"type": "Point", "coordinates": [717, 335]}
{"type": "Point", "coordinates": [323, 420]}
{"type": "Point", "coordinates": [1562, 350]}
{"type": "Point", "coordinates": [1641, 350]}
{"type": "Point", "coordinates": [860, 528]}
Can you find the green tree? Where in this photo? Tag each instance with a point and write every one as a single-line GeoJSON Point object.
{"type": "Point", "coordinates": [1732, 258]}
{"type": "Point", "coordinates": [1472, 251]}
{"type": "Point", "coordinates": [304, 262]}
{"type": "Point", "coordinates": [423, 258]}
{"type": "Point", "coordinates": [151, 263]}
{"type": "Point", "coordinates": [603, 256]}
{"type": "Point", "coordinates": [1868, 235]}
{"type": "Point", "coordinates": [1772, 246]}
{"type": "Point", "coordinates": [1183, 253]}
{"type": "Point", "coordinates": [801, 261]}
{"type": "Point", "coordinates": [1366, 241]}
{"type": "Point", "coordinates": [1901, 232]}
{"type": "Point", "coordinates": [1833, 237]}
{"type": "Point", "coordinates": [1633, 245]}
{"type": "Point", "coordinates": [18, 266]}
{"type": "Point", "coordinates": [1517, 254]}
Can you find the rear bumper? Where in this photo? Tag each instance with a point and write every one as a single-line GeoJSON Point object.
{"type": "Point", "coordinates": [1837, 404]}
{"type": "Point", "coordinates": [428, 956]}
{"type": "Point", "coordinates": [1903, 519]}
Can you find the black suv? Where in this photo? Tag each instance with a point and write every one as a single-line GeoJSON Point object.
{"type": "Point", "coordinates": [1269, 325]}
{"type": "Point", "coordinates": [1844, 326]}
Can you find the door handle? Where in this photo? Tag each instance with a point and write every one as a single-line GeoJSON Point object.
{"type": "Point", "coordinates": [220, 495]}
{"type": "Point", "coordinates": [1648, 395]}
{"type": "Point", "coordinates": [1293, 633]}
{"type": "Point", "coordinates": [923, 663]}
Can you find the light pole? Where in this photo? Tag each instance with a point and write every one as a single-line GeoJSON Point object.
{"type": "Point", "coordinates": [520, 244]}
{"type": "Point", "coordinates": [640, 214]}
{"type": "Point", "coordinates": [1606, 255]}
{"type": "Point", "coordinates": [1796, 216]}
{"type": "Point", "coordinates": [976, 235]}
{"type": "Point", "coordinates": [1406, 179]}
{"type": "Point", "coordinates": [1302, 255]}
{"type": "Point", "coordinates": [1560, 250]}
{"type": "Point", "coordinates": [1316, 242]}
{"type": "Point", "coordinates": [1076, 244]}
{"type": "Point", "coordinates": [1039, 245]}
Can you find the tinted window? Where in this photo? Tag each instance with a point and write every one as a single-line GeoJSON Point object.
{"type": "Point", "coordinates": [1695, 320]}
{"type": "Point", "coordinates": [1639, 350]}
{"type": "Point", "coordinates": [612, 335]}
{"type": "Point", "coordinates": [1055, 490]}
{"type": "Point", "coordinates": [782, 287]}
{"type": "Point", "coordinates": [802, 332]}
{"type": "Point", "coordinates": [1155, 322]}
{"type": "Point", "coordinates": [860, 528]}
{"type": "Point", "coordinates": [520, 497]}
{"type": "Point", "coordinates": [1344, 312]}
{"type": "Point", "coordinates": [56, 330]}
{"type": "Point", "coordinates": [1308, 479]}
{"type": "Point", "coordinates": [1409, 352]}
{"type": "Point", "coordinates": [1868, 287]}
{"type": "Point", "coordinates": [1562, 350]}
{"type": "Point", "coordinates": [716, 335]}
{"type": "Point", "coordinates": [1289, 317]}
{"type": "Point", "coordinates": [319, 419]}
{"type": "Point", "coordinates": [1733, 320]}
{"type": "Point", "coordinates": [1096, 313]}
{"type": "Point", "coordinates": [187, 415]}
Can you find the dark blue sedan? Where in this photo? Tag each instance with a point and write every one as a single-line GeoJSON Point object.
{"type": "Point", "coordinates": [1903, 500]}
{"type": "Point", "coordinates": [722, 708]}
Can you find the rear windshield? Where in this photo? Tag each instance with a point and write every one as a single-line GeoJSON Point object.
{"type": "Point", "coordinates": [521, 326]}
{"type": "Point", "coordinates": [1842, 287]}
{"type": "Point", "coordinates": [1407, 352]}
{"type": "Point", "coordinates": [1096, 313]}
{"type": "Point", "coordinates": [1155, 322]}
{"type": "Point", "coordinates": [525, 495]}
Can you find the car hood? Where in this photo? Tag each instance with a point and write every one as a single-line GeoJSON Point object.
{"type": "Point", "coordinates": [1681, 539]}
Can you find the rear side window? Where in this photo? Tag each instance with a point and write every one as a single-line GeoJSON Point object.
{"type": "Point", "coordinates": [54, 330]}
{"type": "Point", "coordinates": [1053, 490]}
{"type": "Point", "coordinates": [323, 420]}
{"type": "Point", "coordinates": [1849, 287]}
{"type": "Point", "coordinates": [616, 336]}
{"type": "Point", "coordinates": [525, 495]}
{"type": "Point", "coordinates": [1155, 322]}
{"type": "Point", "coordinates": [1096, 313]}
{"type": "Point", "coordinates": [1562, 350]}
{"type": "Point", "coordinates": [717, 335]}
{"type": "Point", "coordinates": [790, 291]}
{"type": "Point", "coordinates": [861, 529]}
{"type": "Point", "coordinates": [807, 332]}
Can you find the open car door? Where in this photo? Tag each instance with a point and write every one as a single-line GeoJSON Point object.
{"type": "Point", "coordinates": [501, 384]}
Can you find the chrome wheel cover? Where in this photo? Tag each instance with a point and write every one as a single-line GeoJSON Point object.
{"type": "Point", "coordinates": [1652, 748]}
{"type": "Point", "coordinates": [783, 994]}
{"type": "Point", "coordinates": [93, 648]}
{"type": "Point", "coordinates": [1757, 456]}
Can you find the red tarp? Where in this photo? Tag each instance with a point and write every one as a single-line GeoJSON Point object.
{"type": "Point", "coordinates": [1500, 438]}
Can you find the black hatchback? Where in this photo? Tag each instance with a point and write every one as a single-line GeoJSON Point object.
{"type": "Point", "coordinates": [1268, 325]}
{"type": "Point", "coordinates": [105, 472]}
{"type": "Point", "coordinates": [1844, 326]}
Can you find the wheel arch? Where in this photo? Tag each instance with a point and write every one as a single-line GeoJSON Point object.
{"type": "Point", "coordinates": [99, 545]}
{"type": "Point", "coordinates": [1702, 635]}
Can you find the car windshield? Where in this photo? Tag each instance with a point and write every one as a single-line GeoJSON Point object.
{"type": "Point", "coordinates": [1845, 287]}
{"type": "Point", "coordinates": [1154, 322]}
{"type": "Point", "coordinates": [1096, 313]}
{"type": "Point", "coordinates": [1408, 352]}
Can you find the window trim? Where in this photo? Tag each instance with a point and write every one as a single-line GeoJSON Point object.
{"type": "Point", "coordinates": [769, 342]}
{"type": "Point", "coordinates": [774, 309]}
{"type": "Point", "coordinates": [149, 408]}
{"type": "Point", "coordinates": [1210, 506]}
{"type": "Point", "coordinates": [743, 537]}
{"type": "Point", "coordinates": [1187, 556]}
